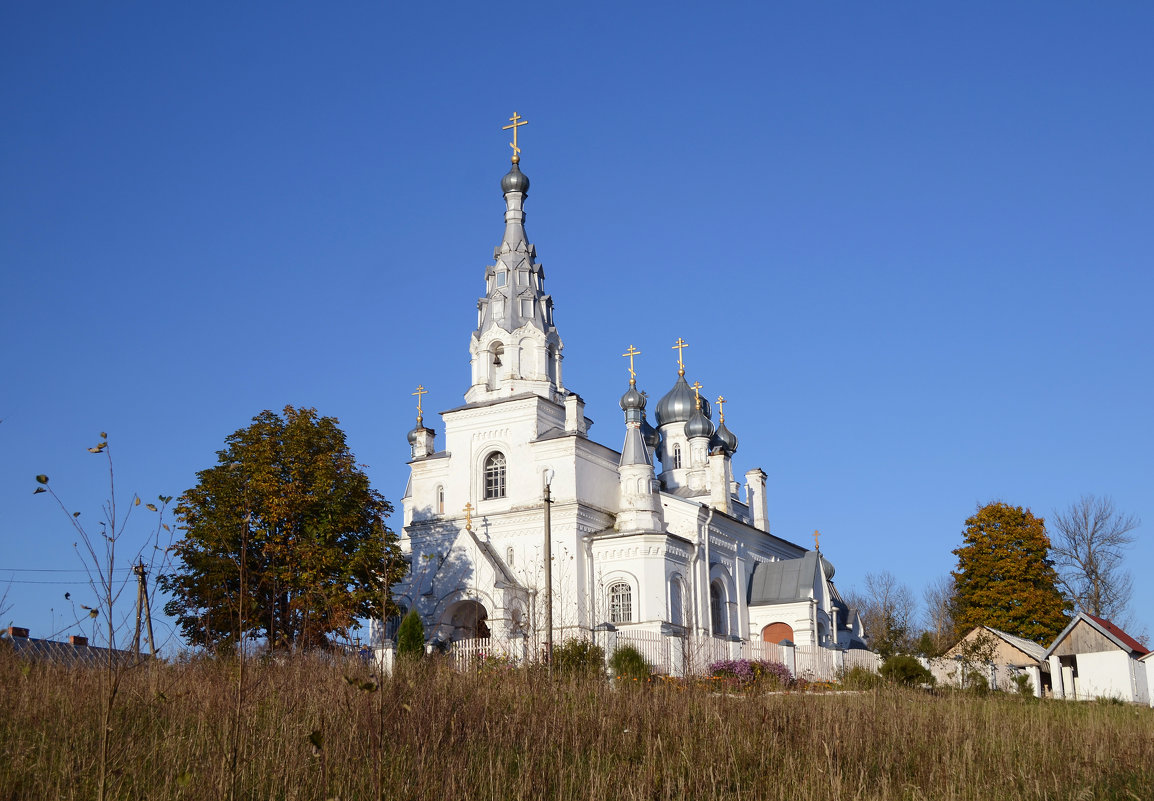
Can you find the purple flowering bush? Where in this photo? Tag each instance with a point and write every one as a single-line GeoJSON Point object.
{"type": "Point", "coordinates": [749, 672]}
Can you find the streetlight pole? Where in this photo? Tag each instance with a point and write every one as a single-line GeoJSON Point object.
{"type": "Point", "coordinates": [548, 572]}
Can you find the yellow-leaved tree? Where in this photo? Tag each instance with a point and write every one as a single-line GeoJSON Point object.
{"type": "Point", "coordinates": [1004, 578]}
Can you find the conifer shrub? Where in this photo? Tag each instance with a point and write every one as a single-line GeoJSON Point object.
{"type": "Point", "coordinates": [906, 670]}
{"type": "Point", "coordinates": [629, 663]}
{"type": "Point", "coordinates": [411, 637]}
{"type": "Point", "coordinates": [579, 657]}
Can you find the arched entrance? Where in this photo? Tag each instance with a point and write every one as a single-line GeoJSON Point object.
{"type": "Point", "coordinates": [776, 632]}
{"type": "Point", "coordinates": [466, 620]}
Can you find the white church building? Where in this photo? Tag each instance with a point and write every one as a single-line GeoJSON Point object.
{"type": "Point", "coordinates": [654, 535]}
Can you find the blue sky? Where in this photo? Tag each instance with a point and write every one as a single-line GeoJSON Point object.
{"type": "Point", "coordinates": [910, 244]}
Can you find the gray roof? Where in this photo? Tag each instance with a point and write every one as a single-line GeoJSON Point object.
{"type": "Point", "coordinates": [64, 653]}
{"type": "Point", "coordinates": [784, 581]}
{"type": "Point", "coordinates": [1032, 649]}
{"type": "Point", "coordinates": [634, 450]}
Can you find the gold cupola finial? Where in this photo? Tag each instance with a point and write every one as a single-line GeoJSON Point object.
{"type": "Point", "coordinates": [721, 408]}
{"type": "Point", "coordinates": [469, 516]}
{"type": "Point", "coordinates": [679, 346]}
{"type": "Point", "coordinates": [516, 122]}
{"type": "Point", "coordinates": [420, 413]}
{"type": "Point", "coordinates": [696, 387]}
{"type": "Point", "coordinates": [816, 537]}
{"type": "Point", "coordinates": [632, 373]}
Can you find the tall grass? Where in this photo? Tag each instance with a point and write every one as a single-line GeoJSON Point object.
{"type": "Point", "coordinates": [314, 728]}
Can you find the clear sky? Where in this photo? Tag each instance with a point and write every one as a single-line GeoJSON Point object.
{"type": "Point", "coordinates": [910, 243]}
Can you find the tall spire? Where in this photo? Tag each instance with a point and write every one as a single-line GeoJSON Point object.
{"type": "Point", "coordinates": [515, 346]}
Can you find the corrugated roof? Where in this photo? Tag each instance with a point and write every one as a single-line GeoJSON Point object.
{"type": "Point", "coordinates": [1034, 650]}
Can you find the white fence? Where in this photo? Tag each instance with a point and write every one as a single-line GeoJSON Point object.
{"type": "Point", "coordinates": [673, 654]}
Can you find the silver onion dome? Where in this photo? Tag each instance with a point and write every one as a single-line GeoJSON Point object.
{"type": "Point", "coordinates": [649, 433]}
{"type": "Point", "coordinates": [726, 439]}
{"type": "Point", "coordinates": [677, 405]}
{"type": "Point", "coordinates": [828, 567]}
{"type": "Point", "coordinates": [632, 399]}
{"type": "Point", "coordinates": [515, 181]}
{"type": "Point", "coordinates": [415, 434]}
{"type": "Point", "coordinates": [699, 425]}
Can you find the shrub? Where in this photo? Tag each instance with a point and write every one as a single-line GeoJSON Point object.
{"type": "Point", "coordinates": [579, 658]}
{"type": "Point", "coordinates": [859, 678]}
{"type": "Point", "coordinates": [411, 637]}
{"type": "Point", "coordinates": [1023, 684]}
{"type": "Point", "coordinates": [904, 669]}
{"type": "Point", "coordinates": [628, 663]}
{"type": "Point", "coordinates": [753, 671]}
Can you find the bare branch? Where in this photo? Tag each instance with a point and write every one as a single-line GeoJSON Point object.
{"type": "Point", "coordinates": [1087, 544]}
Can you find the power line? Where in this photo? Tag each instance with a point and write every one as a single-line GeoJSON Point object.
{"type": "Point", "coordinates": [53, 570]}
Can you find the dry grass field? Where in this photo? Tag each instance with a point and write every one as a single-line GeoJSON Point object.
{"type": "Point", "coordinates": [311, 728]}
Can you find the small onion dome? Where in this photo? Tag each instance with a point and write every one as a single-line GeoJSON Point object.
{"type": "Point", "coordinates": [649, 433]}
{"type": "Point", "coordinates": [726, 439]}
{"type": "Point", "coordinates": [415, 434]}
{"type": "Point", "coordinates": [632, 399]}
{"type": "Point", "coordinates": [515, 181]}
{"type": "Point", "coordinates": [698, 425]}
{"type": "Point", "coordinates": [677, 405]}
{"type": "Point", "coordinates": [827, 566]}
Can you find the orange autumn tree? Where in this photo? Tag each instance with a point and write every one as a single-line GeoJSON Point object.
{"type": "Point", "coordinates": [284, 540]}
{"type": "Point", "coordinates": [1004, 578]}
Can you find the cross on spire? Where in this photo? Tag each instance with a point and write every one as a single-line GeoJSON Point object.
{"type": "Point", "coordinates": [469, 516]}
{"type": "Point", "coordinates": [632, 373]}
{"type": "Point", "coordinates": [420, 391]}
{"type": "Point", "coordinates": [696, 387]}
{"type": "Point", "coordinates": [721, 407]}
{"type": "Point", "coordinates": [816, 536]}
{"type": "Point", "coordinates": [517, 121]}
{"type": "Point", "coordinates": [679, 346]}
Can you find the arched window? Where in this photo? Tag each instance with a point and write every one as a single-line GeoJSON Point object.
{"type": "Point", "coordinates": [717, 608]}
{"type": "Point", "coordinates": [440, 499]}
{"type": "Point", "coordinates": [676, 602]}
{"type": "Point", "coordinates": [676, 457]}
{"type": "Point", "coordinates": [495, 475]}
{"type": "Point", "coordinates": [620, 603]}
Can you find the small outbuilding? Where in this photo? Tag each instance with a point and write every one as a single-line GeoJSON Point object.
{"type": "Point", "coordinates": [1093, 658]}
{"type": "Point", "coordinates": [1003, 656]}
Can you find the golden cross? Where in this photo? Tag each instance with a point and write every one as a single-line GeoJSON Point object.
{"type": "Point", "coordinates": [517, 121]}
{"type": "Point", "coordinates": [420, 391]}
{"type": "Point", "coordinates": [721, 407]}
{"type": "Point", "coordinates": [469, 516]}
{"type": "Point", "coordinates": [631, 353]}
{"type": "Point", "coordinates": [696, 387]}
{"type": "Point", "coordinates": [679, 346]}
{"type": "Point", "coordinates": [816, 544]}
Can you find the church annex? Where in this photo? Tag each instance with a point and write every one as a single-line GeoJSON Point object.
{"type": "Point", "coordinates": [657, 536]}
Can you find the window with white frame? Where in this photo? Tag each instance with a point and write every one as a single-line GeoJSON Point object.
{"type": "Point", "coordinates": [676, 457]}
{"type": "Point", "coordinates": [440, 499]}
{"type": "Point", "coordinates": [620, 603]}
{"type": "Point", "coordinates": [495, 475]}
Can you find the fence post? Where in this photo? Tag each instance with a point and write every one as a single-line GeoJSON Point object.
{"type": "Point", "coordinates": [386, 656]}
{"type": "Point", "coordinates": [789, 656]}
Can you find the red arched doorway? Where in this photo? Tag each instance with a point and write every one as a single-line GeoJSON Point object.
{"type": "Point", "coordinates": [776, 632]}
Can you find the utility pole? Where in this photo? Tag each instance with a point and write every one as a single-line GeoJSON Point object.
{"type": "Point", "coordinates": [548, 573]}
{"type": "Point", "coordinates": [142, 608]}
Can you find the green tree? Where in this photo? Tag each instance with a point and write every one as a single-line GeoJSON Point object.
{"type": "Point", "coordinates": [411, 637]}
{"type": "Point", "coordinates": [284, 540]}
{"type": "Point", "coordinates": [1004, 578]}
